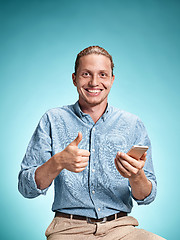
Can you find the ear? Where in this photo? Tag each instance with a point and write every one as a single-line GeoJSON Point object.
{"type": "Point", "coordinates": [74, 79]}
{"type": "Point", "coordinates": [112, 80]}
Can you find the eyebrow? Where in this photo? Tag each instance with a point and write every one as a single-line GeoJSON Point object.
{"type": "Point", "coordinates": [103, 70]}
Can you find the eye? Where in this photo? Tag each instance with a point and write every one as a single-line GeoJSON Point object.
{"type": "Point", "coordinates": [85, 74]}
{"type": "Point", "coordinates": [103, 75]}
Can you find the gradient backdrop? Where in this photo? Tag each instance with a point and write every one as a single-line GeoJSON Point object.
{"type": "Point", "coordinates": [38, 46]}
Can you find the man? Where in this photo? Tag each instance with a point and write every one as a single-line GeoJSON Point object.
{"type": "Point", "coordinates": [82, 147]}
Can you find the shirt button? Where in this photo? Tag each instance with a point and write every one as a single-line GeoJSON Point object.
{"type": "Point", "coordinates": [99, 209]}
{"type": "Point", "coordinates": [94, 129]}
{"type": "Point", "coordinates": [93, 170]}
{"type": "Point", "coordinates": [93, 192]}
{"type": "Point", "coordinates": [93, 150]}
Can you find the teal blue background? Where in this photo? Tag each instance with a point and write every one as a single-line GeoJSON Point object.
{"type": "Point", "coordinates": [38, 46]}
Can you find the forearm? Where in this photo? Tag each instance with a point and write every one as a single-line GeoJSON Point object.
{"type": "Point", "coordinates": [71, 158]}
{"type": "Point", "coordinates": [46, 173]}
{"type": "Point", "coordinates": [140, 186]}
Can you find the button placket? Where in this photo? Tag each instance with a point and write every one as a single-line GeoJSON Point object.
{"type": "Point", "coordinates": [92, 168]}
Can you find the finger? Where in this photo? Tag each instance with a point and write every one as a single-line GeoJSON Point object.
{"type": "Point", "coordinates": [78, 167]}
{"type": "Point", "coordinates": [77, 170]}
{"type": "Point", "coordinates": [80, 159]}
{"type": "Point", "coordinates": [129, 167]}
{"type": "Point", "coordinates": [144, 157]}
{"type": "Point", "coordinates": [83, 152]}
{"type": "Point", "coordinates": [121, 155]}
{"type": "Point", "coordinates": [81, 164]}
{"type": "Point", "coordinates": [121, 169]}
{"type": "Point", "coordinates": [123, 164]}
{"type": "Point", "coordinates": [77, 140]}
{"type": "Point", "coordinates": [131, 161]}
{"type": "Point", "coordinates": [85, 159]}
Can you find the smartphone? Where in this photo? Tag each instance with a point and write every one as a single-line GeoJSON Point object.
{"type": "Point", "coordinates": [137, 151]}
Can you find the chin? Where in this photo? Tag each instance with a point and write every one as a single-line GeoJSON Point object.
{"type": "Point", "coordinates": [95, 102]}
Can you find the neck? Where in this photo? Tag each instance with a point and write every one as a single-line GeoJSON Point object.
{"type": "Point", "coordinates": [95, 111]}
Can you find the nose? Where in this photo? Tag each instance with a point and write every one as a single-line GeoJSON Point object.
{"type": "Point", "coordinates": [94, 81]}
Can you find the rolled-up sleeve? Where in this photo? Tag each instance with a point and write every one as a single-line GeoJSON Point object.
{"type": "Point", "coordinates": [38, 152]}
{"type": "Point", "coordinates": [150, 198]}
{"type": "Point", "coordinates": [143, 139]}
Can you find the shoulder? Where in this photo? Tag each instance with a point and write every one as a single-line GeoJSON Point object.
{"type": "Point", "coordinates": [57, 113]}
{"type": "Point", "coordinates": [124, 115]}
{"type": "Point", "coordinates": [128, 120]}
{"type": "Point", "coordinates": [59, 110]}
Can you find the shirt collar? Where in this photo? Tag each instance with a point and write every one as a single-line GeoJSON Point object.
{"type": "Point", "coordinates": [81, 114]}
{"type": "Point", "coordinates": [78, 110]}
{"type": "Point", "coordinates": [106, 113]}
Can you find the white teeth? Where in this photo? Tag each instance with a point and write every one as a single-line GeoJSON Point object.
{"type": "Point", "coordinates": [93, 91]}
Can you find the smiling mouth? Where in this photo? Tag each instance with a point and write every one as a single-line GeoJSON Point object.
{"type": "Point", "coordinates": [93, 90]}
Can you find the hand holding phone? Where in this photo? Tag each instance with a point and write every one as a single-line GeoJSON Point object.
{"type": "Point", "coordinates": [129, 167]}
{"type": "Point", "coordinates": [137, 151]}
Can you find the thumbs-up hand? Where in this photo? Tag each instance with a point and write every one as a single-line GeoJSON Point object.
{"type": "Point", "coordinates": [72, 158]}
{"type": "Point", "coordinates": [77, 140]}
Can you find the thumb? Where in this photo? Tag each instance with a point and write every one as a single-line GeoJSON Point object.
{"type": "Point", "coordinates": [144, 156]}
{"type": "Point", "coordinates": [77, 140]}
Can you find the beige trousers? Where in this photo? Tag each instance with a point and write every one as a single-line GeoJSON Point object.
{"type": "Point", "coordinates": [121, 228]}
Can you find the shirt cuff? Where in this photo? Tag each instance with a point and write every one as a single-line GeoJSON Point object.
{"type": "Point", "coordinates": [28, 186]}
{"type": "Point", "coordinates": [34, 185]}
{"type": "Point", "coordinates": [150, 198]}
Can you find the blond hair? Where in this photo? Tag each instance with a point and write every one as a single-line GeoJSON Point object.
{"type": "Point", "coordinates": [93, 50]}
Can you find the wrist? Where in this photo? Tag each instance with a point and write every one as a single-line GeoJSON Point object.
{"type": "Point", "coordinates": [140, 186]}
{"type": "Point", "coordinates": [137, 177]}
{"type": "Point", "coordinates": [57, 161]}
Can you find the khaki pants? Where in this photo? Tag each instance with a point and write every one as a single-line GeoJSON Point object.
{"type": "Point", "coordinates": [122, 228]}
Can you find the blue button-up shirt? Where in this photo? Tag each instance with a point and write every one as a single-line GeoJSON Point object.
{"type": "Point", "coordinates": [99, 190]}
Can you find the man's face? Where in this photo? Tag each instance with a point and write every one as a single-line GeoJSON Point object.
{"type": "Point", "coordinates": [93, 79]}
